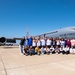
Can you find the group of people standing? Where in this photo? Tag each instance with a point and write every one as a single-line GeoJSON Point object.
{"type": "Point", "coordinates": [47, 45]}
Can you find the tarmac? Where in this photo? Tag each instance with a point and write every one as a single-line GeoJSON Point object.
{"type": "Point", "coordinates": [12, 63]}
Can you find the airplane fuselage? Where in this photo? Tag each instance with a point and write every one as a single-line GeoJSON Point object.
{"type": "Point", "coordinates": [68, 32]}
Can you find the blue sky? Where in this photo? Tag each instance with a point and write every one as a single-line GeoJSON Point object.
{"type": "Point", "coordinates": [39, 15]}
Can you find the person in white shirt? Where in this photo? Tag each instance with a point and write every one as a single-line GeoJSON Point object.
{"type": "Point", "coordinates": [62, 42]}
{"type": "Point", "coordinates": [58, 42]}
{"type": "Point", "coordinates": [48, 42]}
{"type": "Point", "coordinates": [39, 42]}
{"type": "Point", "coordinates": [52, 50]}
{"type": "Point", "coordinates": [72, 50]}
{"type": "Point", "coordinates": [43, 42]}
{"type": "Point", "coordinates": [33, 43]}
{"type": "Point", "coordinates": [66, 50]}
{"type": "Point", "coordinates": [42, 50]}
{"type": "Point", "coordinates": [47, 50]}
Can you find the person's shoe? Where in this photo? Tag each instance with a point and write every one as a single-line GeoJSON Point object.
{"type": "Point", "coordinates": [38, 53]}
{"type": "Point", "coordinates": [56, 53]}
{"type": "Point", "coordinates": [50, 53]}
{"type": "Point", "coordinates": [42, 53]}
{"type": "Point", "coordinates": [21, 54]}
{"type": "Point", "coordinates": [26, 54]}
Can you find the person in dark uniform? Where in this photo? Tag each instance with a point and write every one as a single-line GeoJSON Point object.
{"type": "Point", "coordinates": [21, 45]}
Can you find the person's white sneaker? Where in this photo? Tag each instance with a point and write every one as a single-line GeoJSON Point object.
{"type": "Point", "coordinates": [56, 53]}
{"type": "Point", "coordinates": [21, 54]}
{"type": "Point", "coordinates": [42, 53]}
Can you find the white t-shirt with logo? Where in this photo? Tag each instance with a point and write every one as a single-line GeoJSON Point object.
{"type": "Point", "coordinates": [39, 43]}
{"type": "Point", "coordinates": [42, 42]}
{"type": "Point", "coordinates": [34, 43]}
{"type": "Point", "coordinates": [48, 42]}
{"type": "Point", "coordinates": [58, 42]}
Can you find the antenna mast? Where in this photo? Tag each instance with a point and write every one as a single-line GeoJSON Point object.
{"type": "Point", "coordinates": [27, 32]}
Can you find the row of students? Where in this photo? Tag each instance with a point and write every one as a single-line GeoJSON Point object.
{"type": "Point", "coordinates": [41, 41]}
{"type": "Point", "coordinates": [51, 50]}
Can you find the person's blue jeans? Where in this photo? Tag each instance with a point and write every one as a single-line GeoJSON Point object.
{"type": "Point", "coordinates": [21, 48]}
{"type": "Point", "coordinates": [31, 52]}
